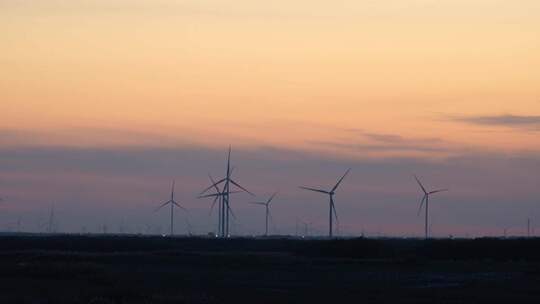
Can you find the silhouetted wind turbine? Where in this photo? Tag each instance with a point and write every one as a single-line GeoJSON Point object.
{"type": "Point", "coordinates": [225, 208]}
{"type": "Point", "coordinates": [218, 197]}
{"type": "Point", "coordinates": [267, 206]}
{"type": "Point", "coordinates": [307, 226]}
{"type": "Point", "coordinates": [50, 225]}
{"type": "Point", "coordinates": [331, 195]}
{"type": "Point", "coordinates": [296, 226]}
{"type": "Point", "coordinates": [172, 203]}
{"type": "Point", "coordinates": [426, 199]}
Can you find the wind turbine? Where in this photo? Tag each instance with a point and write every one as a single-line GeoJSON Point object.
{"type": "Point", "coordinates": [225, 209]}
{"type": "Point", "coordinates": [267, 206]}
{"type": "Point", "coordinates": [426, 199]}
{"type": "Point", "coordinates": [332, 206]}
{"type": "Point", "coordinates": [218, 197]}
{"type": "Point", "coordinates": [172, 203]}
{"type": "Point", "coordinates": [18, 224]}
{"type": "Point", "coordinates": [307, 226]}
{"type": "Point", "coordinates": [51, 225]}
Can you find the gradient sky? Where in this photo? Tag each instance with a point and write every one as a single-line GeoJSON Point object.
{"type": "Point", "coordinates": [104, 102]}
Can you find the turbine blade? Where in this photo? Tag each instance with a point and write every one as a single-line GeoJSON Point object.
{"type": "Point", "coordinates": [316, 190]}
{"type": "Point", "coordinates": [172, 188]}
{"type": "Point", "coordinates": [217, 194]}
{"type": "Point", "coordinates": [340, 180]}
{"type": "Point", "coordinates": [271, 218]}
{"type": "Point", "coordinates": [420, 184]}
{"type": "Point", "coordinates": [178, 205]}
{"type": "Point", "coordinates": [437, 191]}
{"type": "Point", "coordinates": [210, 195]}
{"type": "Point", "coordinates": [271, 198]}
{"type": "Point", "coordinates": [232, 213]}
{"type": "Point", "coordinates": [257, 203]}
{"type": "Point", "coordinates": [237, 185]}
{"type": "Point", "coordinates": [335, 213]}
{"type": "Point", "coordinates": [161, 206]}
{"type": "Point", "coordinates": [213, 185]}
{"type": "Point", "coordinates": [213, 205]}
{"type": "Point", "coordinates": [213, 182]}
{"type": "Point", "coordinates": [422, 204]}
{"type": "Point", "coordinates": [229, 163]}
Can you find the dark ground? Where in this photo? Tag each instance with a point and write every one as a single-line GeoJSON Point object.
{"type": "Point", "coordinates": [99, 269]}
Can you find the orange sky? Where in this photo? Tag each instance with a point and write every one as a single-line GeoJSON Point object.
{"type": "Point", "coordinates": [295, 75]}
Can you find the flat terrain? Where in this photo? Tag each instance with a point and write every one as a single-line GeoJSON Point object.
{"type": "Point", "coordinates": [123, 269]}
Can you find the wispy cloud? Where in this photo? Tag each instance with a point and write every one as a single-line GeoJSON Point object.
{"type": "Point", "coordinates": [87, 137]}
{"type": "Point", "coordinates": [530, 122]}
{"type": "Point", "coordinates": [393, 145]}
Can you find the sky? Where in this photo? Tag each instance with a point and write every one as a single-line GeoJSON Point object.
{"type": "Point", "coordinates": [104, 103]}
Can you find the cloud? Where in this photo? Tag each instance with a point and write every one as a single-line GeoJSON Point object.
{"type": "Point", "coordinates": [384, 148]}
{"type": "Point", "coordinates": [391, 145]}
{"type": "Point", "coordinates": [530, 122]}
{"type": "Point", "coordinates": [81, 137]}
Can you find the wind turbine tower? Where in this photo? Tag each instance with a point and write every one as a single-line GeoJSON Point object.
{"type": "Point", "coordinates": [50, 225]}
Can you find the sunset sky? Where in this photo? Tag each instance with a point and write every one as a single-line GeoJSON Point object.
{"type": "Point", "coordinates": [104, 102]}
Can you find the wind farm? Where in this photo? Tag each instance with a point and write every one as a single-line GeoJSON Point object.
{"type": "Point", "coordinates": [250, 151]}
{"type": "Point", "coordinates": [406, 265]}
{"type": "Point", "coordinates": [220, 192]}
{"type": "Point", "coordinates": [298, 260]}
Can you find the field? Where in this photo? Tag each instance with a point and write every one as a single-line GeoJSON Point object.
{"type": "Point", "coordinates": [135, 269]}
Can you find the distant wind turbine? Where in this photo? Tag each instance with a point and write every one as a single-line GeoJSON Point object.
{"type": "Point", "coordinates": [172, 203]}
{"type": "Point", "coordinates": [307, 226]}
{"type": "Point", "coordinates": [426, 199]}
{"type": "Point", "coordinates": [50, 225]}
{"type": "Point", "coordinates": [332, 206]}
{"type": "Point", "coordinates": [267, 206]}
